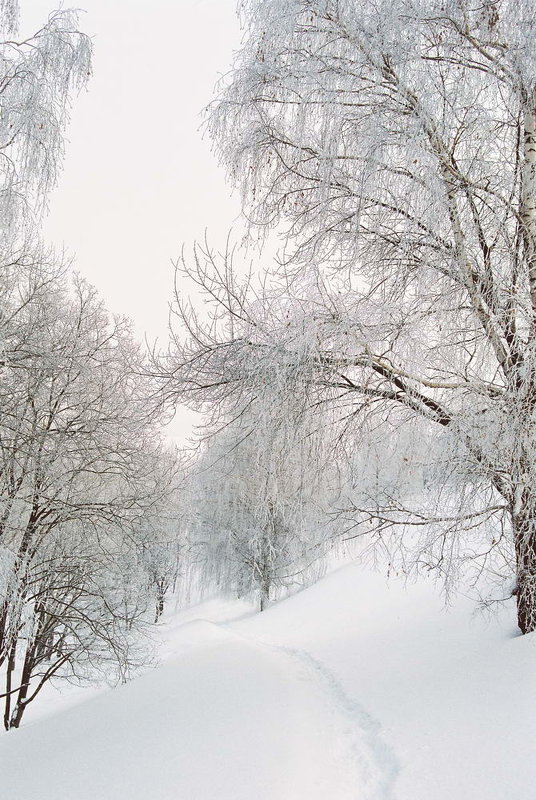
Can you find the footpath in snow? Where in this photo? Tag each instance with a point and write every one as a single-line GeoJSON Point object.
{"type": "Point", "coordinates": [354, 688]}
{"type": "Point", "coordinates": [224, 717]}
{"type": "Point", "coordinates": [453, 692]}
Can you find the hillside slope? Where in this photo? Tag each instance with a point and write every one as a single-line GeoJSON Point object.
{"type": "Point", "coordinates": [354, 688]}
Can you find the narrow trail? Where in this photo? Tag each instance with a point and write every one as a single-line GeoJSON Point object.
{"type": "Point", "coordinates": [359, 742]}
{"type": "Point", "coordinates": [385, 768]}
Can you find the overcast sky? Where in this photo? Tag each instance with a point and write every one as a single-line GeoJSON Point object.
{"type": "Point", "coordinates": [138, 180]}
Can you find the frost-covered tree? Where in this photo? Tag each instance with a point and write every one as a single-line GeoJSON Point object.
{"type": "Point", "coordinates": [260, 490]}
{"type": "Point", "coordinates": [259, 525]}
{"type": "Point", "coordinates": [162, 550]}
{"type": "Point", "coordinates": [84, 484]}
{"type": "Point", "coordinates": [37, 76]}
{"type": "Point", "coordinates": [394, 144]}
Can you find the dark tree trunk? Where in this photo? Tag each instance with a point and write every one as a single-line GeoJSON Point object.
{"type": "Point", "coordinates": [265, 591]}
{"type": "Point", "coordinates": [161, 586]}
{"type": "Point", "coordinates": [20, 705]}
{"type": "Point", "coordinates": [4, 643]}
{"type": "Point", "coordinates": [524, 525]}
{"type": "Point", "coordinates": [9, 673]}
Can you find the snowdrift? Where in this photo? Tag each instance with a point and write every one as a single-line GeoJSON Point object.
{"type": "Point", "coordinates": [355, 688]}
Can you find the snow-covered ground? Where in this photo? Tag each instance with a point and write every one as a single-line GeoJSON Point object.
{"type": "Point", "coordinates": [354, 688]}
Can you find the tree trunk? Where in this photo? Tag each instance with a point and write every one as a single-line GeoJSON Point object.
{"type": "Point", "coordinates": [4, 639]}
{"type": "Point", "coordinates": [160, 598]}
{"type": "Point", "coordinates": [20, 705]}
{"type": "Point", "coordinates": [9, 673]}
{"type": "Point", "coordinates": [524, 526]}
{"type": "Point", "coordinates": [528, 193]}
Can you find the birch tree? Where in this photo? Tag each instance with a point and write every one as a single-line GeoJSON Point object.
{"type": "Point", "coordinates": [394, 147]}
{"type": "Point", "coordinates": [38, 76]}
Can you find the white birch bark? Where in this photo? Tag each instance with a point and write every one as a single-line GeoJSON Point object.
{"type": "Point", "coordinates": [528, 192]}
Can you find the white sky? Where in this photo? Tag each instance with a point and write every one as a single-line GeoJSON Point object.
{"type": "Point", "coordinates": [139, 181]}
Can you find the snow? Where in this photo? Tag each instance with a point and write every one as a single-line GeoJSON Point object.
{"type": "Point", "coordinates": [354, 688]}
{"type": "Point", "coordinates": [453, 692]}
